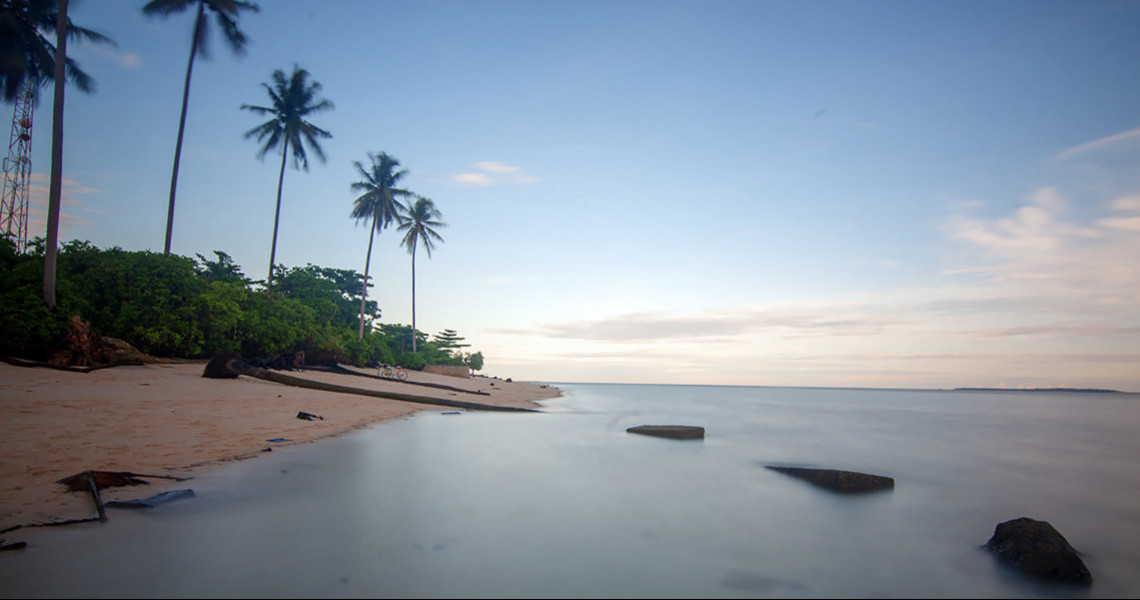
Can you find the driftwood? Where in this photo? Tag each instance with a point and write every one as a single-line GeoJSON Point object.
{"type": "Point", "coordinates": [439, 386]}
{"type": "Point", "coordinates": [98, 501]}
{"type": "Point", "coordinates": [106, 479]}
{"type": "Point", "coordinates": [23, 362]}
{"type": "Point", "coordinates": [93, 354]}
{"type": "Point", "coordinates": [60, 523]}
{"type": "Point", "coordinates": [239, 367]}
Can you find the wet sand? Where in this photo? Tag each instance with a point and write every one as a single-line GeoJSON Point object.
{"type": "Point", "coordinates": [166, 419]}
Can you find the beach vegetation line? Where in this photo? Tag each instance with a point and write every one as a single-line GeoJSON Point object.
{"type": "Point", "coordinates": [172, 306]}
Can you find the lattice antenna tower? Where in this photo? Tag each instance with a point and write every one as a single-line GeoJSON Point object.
{"type": "Point", "coordinates": [17, 168]}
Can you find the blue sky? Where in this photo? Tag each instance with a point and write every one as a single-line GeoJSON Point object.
{"type": "Point", "coordinates": [870, 194]}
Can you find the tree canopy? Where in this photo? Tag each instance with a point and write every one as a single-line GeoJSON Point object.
{"type": "Point", "coordinates": [172, 306]}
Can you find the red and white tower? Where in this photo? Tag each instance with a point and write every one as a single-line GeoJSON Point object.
{"type": "Point", "coordinates": [17, 168]}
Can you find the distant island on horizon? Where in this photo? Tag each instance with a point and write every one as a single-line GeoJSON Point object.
{"type": "Point", "coordinates": [1050, 389]}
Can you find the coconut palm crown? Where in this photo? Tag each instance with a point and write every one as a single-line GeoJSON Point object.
{"type": "Point", "coordinates": [293, 99]}
{"type": "Point", "coordinates": [26, 54]}
{"type": "Point", "coordinates": [377, 203]}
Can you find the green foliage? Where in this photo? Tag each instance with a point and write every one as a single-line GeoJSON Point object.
{"type": "Point", "coordinates": [26, 319]}
{"type": "Point", "coordinates": [221, 316]}
{"type": "Point", "coordinates": [151, 299]}
{"type": "Point", "coordinates": [222, 269]}
{"type": "Point", "coordinates": [412, 360]}
{"type": "Point", "coordinates": [448, 340]}
{"type": "Point", "coordinates": [334, 293]}
{"type": "Point", "coordinates": [475, 361]}
{"type": "Point", "coordinates": [172, 306]}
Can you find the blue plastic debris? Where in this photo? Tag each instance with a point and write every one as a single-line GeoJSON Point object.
{"type": "Point", "coordinates": [153, 501]}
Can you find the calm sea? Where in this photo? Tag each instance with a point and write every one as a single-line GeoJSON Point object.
{"type": "Point", "coordinates": [567, 504]}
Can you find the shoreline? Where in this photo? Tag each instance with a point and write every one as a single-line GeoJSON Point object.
{"type": "Point", "coordinates": [166, 419]}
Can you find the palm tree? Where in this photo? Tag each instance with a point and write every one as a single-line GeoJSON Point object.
{"type": "Point", "coordinates": [293, 99]}
{"type": "Point", "coordinates": [418, 223]}
{"type": "Point", "coordinates": [377, 203]}
{"type": "Point", "coordinates": [25, 56]}
{"type": "Point", "coordinates": [55, 189]}
{"type": "Point", "coordinates": [225, 13]}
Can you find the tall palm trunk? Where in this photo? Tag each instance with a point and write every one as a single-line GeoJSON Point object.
{"type": "Point", "coordinates": [182, 128]}
{"type": "Point", "coordinates": [55, 190]}
{"type": "Point", "coordinates": [277, 214]}
{"type": "Point", "coordinates": [364, 285]}
{"type": "Point", "coordinates": [413, 299]}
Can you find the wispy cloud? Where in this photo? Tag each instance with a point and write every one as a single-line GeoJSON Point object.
{"type": "Point", "coordinates": [720, 325]}
{"type": "Point", "coordinates": [493, 173]}
{"type": "Point", "coordinates": [1040, 295]}
{"type": "Point", "coordinates": [74, 210]}
{"type": "Point", "coordinates": [497, 167]}
{"type": "Point", "coordinates": [472, 179]}
{"type": "Point", "coordinates": [129, 60]}
{"type": "Point", "coordinates": [1132, 135]}
{"type": "Point", "coordinates": [1041, 250]}
{"type": "Point", "coordinates": [1127, 215]}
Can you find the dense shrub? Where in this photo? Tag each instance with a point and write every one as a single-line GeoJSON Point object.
{"type": "Point", "coordinates": [172, 306]}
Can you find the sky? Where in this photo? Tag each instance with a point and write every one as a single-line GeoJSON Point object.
{"type": "Point", "coordinates": [885, 194]}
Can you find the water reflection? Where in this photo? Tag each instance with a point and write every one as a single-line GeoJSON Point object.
{"type": "Point", "coordinates": [567, 504]}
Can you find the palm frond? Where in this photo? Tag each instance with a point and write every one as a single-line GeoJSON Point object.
{"type": "Point", "coordinates": [235, 38]}
{"type": "Point", "coordinates": [292, 97]}
{"type": "Point", "coordinates": [422, 217]}
{"type": "Point", "coordinates": [165, 8]}
{"type": "Point", "coordinates": [202, 36]}
{"type": "Point", "coordinates": [27, 56]}
{"type": "Point", "coordinates": [379, 202]}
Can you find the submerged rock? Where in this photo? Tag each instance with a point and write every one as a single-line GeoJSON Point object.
{"type": "Point", "coordinates": [1039, 550]}
{"type": "Point", "coordinates": [676, 432]}
{"type": "Point", "coordinates": [844, 482]}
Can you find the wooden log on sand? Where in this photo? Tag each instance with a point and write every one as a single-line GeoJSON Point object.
{"type": "Point", "coordinates": [236, 366]}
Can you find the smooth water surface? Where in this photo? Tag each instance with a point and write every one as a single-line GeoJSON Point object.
{"type": "Point", "coordinates": [567, 504]}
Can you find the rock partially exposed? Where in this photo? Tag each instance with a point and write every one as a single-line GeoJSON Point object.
{"type": "Point", "coordinates": [676, 432]}
{"type": "Point", "coordinates": [120, 352]}
{"type": "Point", "coordinates": [844, 482]}
{"type": "Point", "coordinates": [217, 368]}
{"type": "Point", "coordinates": [1039, 550]}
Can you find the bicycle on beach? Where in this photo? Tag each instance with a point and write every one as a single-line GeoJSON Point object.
{"type": "Point", "coordinates": [387, 371]}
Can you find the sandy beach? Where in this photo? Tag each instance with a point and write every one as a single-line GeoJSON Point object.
{"type": "Point", "coordinates": [166, 419]}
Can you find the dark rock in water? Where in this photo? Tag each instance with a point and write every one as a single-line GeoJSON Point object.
{"type": "Point", "coordinates": [844, 482]}
{"type": "Point", "coordinates": [676, 432]}
{"type": "Point", "coordinates": [1037, 549]}
{"type": "Point", "coordinates": [217, 369]}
